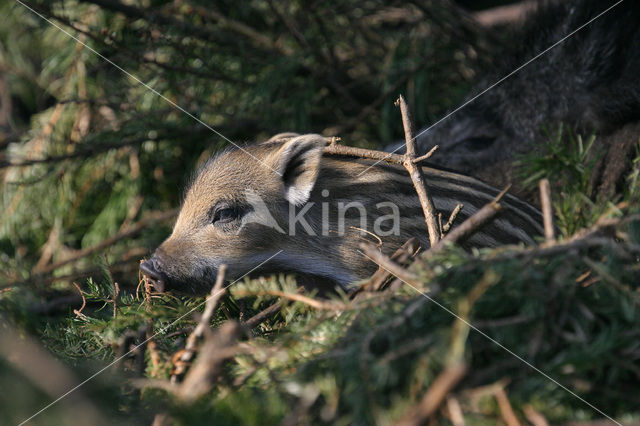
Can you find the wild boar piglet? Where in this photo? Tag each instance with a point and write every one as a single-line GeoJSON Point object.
{"type": "Point", "coordinates": [284, 206]}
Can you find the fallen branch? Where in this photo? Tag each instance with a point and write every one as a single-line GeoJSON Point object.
{"type": "Point", "coordinates": [203, 325]}
{"type": "Point", "coordinates": [442, 385]}
{"type": "Point", "coordinates": [217, 348]}
{"type": "Point", "coordinates": [506, 410]}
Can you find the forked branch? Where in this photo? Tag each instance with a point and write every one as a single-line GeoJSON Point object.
{"type": "Point", "coordinates": [409, 161]}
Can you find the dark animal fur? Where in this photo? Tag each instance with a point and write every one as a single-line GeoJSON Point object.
{"type": "Point", "coordinates": [590, 82]}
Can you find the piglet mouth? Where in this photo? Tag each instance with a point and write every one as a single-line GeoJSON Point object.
{"type": "Point", "coordinates": [158, 285]}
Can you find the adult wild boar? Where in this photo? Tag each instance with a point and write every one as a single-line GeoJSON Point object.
{"type": "Point", "coordinates": [590, 81]}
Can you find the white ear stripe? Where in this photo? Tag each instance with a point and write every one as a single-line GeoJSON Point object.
{"type": "Point", "coordinates": [299, 164]}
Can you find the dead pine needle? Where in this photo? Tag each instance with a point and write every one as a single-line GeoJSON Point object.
{"type": "Point", "coordinates": [78, 312]}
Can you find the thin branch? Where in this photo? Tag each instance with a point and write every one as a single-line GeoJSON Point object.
{"type": "Point", "coordinates": [409, 161]}
{"type": "Point", "coordinates": [351, 151]}
{"type": "Point", "coordinates": [125, 233]}
{"type": "Point", "coordinates": [583, 239]}
{"type": "Point", "coordinates": [506, 410]}
{"type": "Point", "coordinates": [452, 217]}
{"type": "Point", "coordinates": [385, 262]}
{"type": "Point", "coordinates": [547, 210]}
{"type": "Point", "coordinates": [400, 256]}
{"type": "Point", "coordinates": [263, 315]}
{"type": "Point", "coordinates": [417, 176]}
{"type": "Point", "coordinates": [472, 224]}
{"type": "Point", "coordinates": [203, 325]}
{"type": "Point", "coordinates": [219, 346]}
{"type": "Point", "coordinates": [317, 304]}
{"type": "Point", "coordinates": [426, 156]}
{"type": "Point", "coordinates": [437, 392]}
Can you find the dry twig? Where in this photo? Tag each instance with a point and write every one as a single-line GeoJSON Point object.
{"type": "Point", "coordinates": [392, 267]}
{"type": "Point", "coordinates": [263, 315]}
{"type": "Point", "coordinates": [436, 393]}
{"type": "Point", "coordinates": [417, 176]}
{"type": "Point", "coordinates": [472, 224]}
{"type": "Point", "coordinates": [317, 304]}
{"type": "Point", "coordinates": [534, 417]}
{"type": "Point", "coordinates": [352, 151]}
{"type": "Point", "coordinates": [217, 348]}
{"type": "Point", "coordinates": [547, 210]}
{"type": "Point", "coordinates": [506, 410]}
{"type": "Point", "coordinates": [452, 217]}
{"type": "Point", "coordinates": [203, 325]}
{"type": "Point", "coordinates": [381, 276]}
{"type": "Point", "coordinates": [125, 233]}
{"type": "Point", "coordinates": [78, 312]}
{"type": "Point", "coordinates": [409, 161]}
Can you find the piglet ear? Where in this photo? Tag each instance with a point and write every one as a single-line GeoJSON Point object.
{"type": "Point", "coordinates": [298, 163]}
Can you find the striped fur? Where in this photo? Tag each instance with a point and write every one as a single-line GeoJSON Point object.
{"type": "Point", "coordinates": [321, 185]}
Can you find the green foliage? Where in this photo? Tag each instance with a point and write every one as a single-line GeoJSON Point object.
{"type": "Point", "coordinates": [573, 317]}
{"type": "Point", "coordinates": [568, 162]}
{"type": "Point", "coordinates": [107, 151]}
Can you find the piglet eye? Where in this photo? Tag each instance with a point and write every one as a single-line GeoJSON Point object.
{"type": "Point", "coordinates": [225, 215]}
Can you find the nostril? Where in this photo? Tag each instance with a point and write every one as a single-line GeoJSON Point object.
{"type": "Point", "coordinates": [148, 268]}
